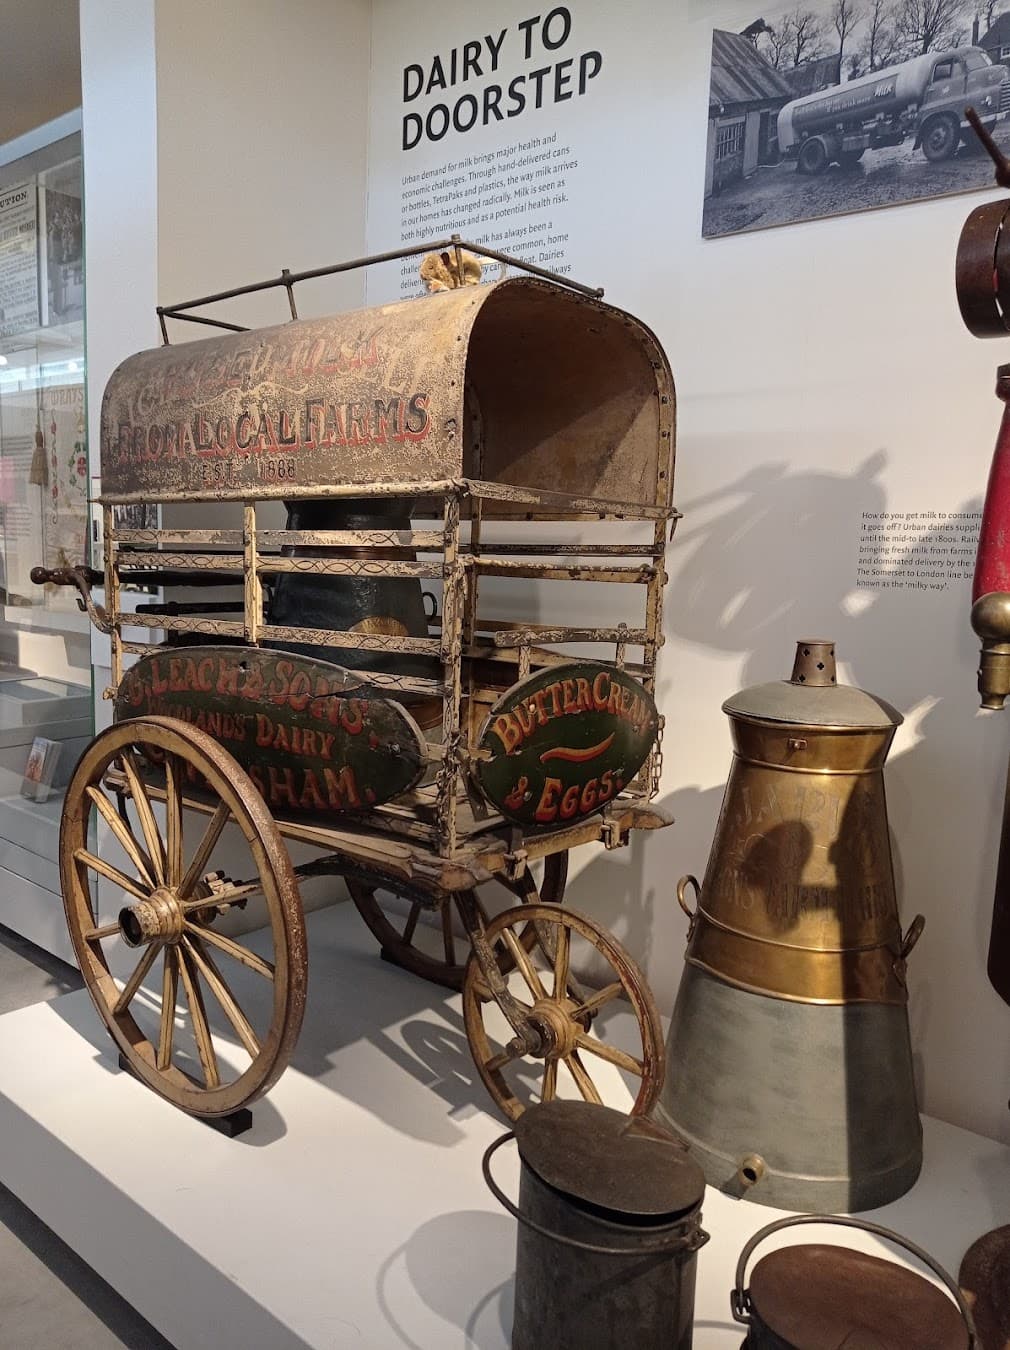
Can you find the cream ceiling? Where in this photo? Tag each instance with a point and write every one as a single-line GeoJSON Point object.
{"type": "Point", "coordinates": [40, 63]}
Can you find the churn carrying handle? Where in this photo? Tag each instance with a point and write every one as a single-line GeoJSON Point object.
{"type": "Point", "coordinates": [691, 1243]}
{"type": "Point", "coordinates": [740, 1299]}
{"type": "Point", "coordinates": [692, 914]}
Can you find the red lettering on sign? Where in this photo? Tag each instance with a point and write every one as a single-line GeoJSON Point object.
{"type": "Point", "coordinates": [352, 715]}
{"type": "Point", "coordinates": [523, 714]}
{"type": "Point", "coordinates": [599, 691]}
{"type": "Point", "coordinates": [311, 795]}
{"type": "Point", "coordinates": [227, 678]}
{"type": "Point", "coordinates": [341, 788]}
{"type": "Point", "coordinates": [282, 786]}
{"type": "Point", "coordinates": [547, 806]}
{"type": "Point", "coordinates": [508, 731]}
{"type": "Point", "coordinates": [300, 691]}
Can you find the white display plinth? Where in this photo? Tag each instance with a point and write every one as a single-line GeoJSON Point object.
{"type": "Point", "coordinates": [354, 1213]}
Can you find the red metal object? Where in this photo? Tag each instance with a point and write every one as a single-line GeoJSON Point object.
{"type": "Point", "coordinates": [992, 564]}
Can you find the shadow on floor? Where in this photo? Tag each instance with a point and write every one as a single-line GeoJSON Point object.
{"type": "Point", "coordinates": [50, 1299]}
{"type": "Point", "coordinates": [28, 974]}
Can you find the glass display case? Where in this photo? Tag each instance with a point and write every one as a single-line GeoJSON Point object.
{"type": "Point", "coordinates": [46, 708]}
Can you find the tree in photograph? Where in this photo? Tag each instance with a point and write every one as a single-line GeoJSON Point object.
{"type": "Point", "coordinates": [845, 15]}
{"type": "Point", "coordinates": [987, 12]}
{"type": "Point", "coordinates": [807, 41]}
{"type": "Point", "coordinates": [879, 47]}
{"type": "Point", "coordinates": [771, 43]}
{"type": "Point", "coordinates": [931, 25]}
{"type": "Point", "coordinates": [797, 37]}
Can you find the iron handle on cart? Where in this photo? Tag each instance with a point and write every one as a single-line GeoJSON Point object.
{"type": "Point", "coordinates": [82, 578]}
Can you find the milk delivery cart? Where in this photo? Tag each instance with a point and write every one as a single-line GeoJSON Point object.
{"type": "Point", "coordinates": [425, 754]}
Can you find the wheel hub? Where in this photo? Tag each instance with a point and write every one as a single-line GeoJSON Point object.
{"type": "Point", "coordinates": [159, 918]}
{"type": "Point", "coordinates": [556, 1026]}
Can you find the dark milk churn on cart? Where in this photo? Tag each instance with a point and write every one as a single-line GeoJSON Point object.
{"type": "Point", "coordinates": [790, 1064]}
{"type": "Point", "coordinates": [609, 1223]}
{"type": "Point", "coordinates": [825, 1297]}
{"type": "Point", "coordinates": [372, 603]}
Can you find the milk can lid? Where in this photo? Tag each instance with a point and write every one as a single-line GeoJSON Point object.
{"type": "Point", "coordinates": [813, 696]}
{"type": "Point", "coordinates": [819, 1297]}
{"type": "Point", "coordinates": [626, 1164]}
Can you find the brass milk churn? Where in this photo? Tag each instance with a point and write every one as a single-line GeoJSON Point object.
{"type": "Point", "coordinates": [813, 1296]}
{"type": "Point", "coordinates": [789, 1059]}
{"type": "Point", "coordinates": [609, 1223]}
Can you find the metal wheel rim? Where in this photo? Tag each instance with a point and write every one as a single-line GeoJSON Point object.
{"type": "Point", "coordinates": [235, 789]}
{"type": "Point", "coordinates": [630, 977]}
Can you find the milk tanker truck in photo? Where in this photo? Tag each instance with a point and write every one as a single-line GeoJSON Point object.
{"type": "Point", "coordinates": [923, 98]}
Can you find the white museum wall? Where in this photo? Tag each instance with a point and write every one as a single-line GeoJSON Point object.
{"type": "Point", "coordinates": [823, 371]}
{"type": "Point", "coordinates": [262, 120]}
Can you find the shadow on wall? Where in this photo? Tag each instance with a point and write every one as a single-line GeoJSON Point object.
{"type": "Point", "coordinates": [772, 560]}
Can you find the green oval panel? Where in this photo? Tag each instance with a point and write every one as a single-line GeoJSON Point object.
{"type": "Point", "coordinates": [563, 742]}
{"type": "Point", "coordinates": [310, 734]}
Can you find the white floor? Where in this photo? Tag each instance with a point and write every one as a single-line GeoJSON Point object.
{"type": "Point", "coordinates": [49, 1298]}
{"type": "Point", "coordinates": [354, 1212]}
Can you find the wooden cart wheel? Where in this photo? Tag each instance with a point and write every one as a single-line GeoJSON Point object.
{"type": "Point", "coordinates": [436, 950]}
{"type": "Point", "coordinates": [205, 1018]}
{"type": "Point", "coordinates": [577, 1055]}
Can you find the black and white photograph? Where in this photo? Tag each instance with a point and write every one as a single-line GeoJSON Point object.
{"type": "Point", "coordinates": [822, 107]}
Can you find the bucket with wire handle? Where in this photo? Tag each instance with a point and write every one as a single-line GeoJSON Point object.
{"type": "Point", "coordinates": [609, 1218]}
{"type": "Point", "coordinates": [814, 1296]}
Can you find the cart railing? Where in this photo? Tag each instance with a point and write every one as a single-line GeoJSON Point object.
{"type": "Point", "coordinates": [480, 656]}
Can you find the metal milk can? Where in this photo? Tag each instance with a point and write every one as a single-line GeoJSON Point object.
{"type": "Point", "coordinates": [825, 1297]}
{"type": "Point", "coordinates": [359, 602]}
{"type": "Point", "coordinates": [609, 1223]}
{"type": "Point", "coordinates": [789, 1060]}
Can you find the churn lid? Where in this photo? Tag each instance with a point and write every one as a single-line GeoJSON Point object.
{"type": "Point", "coordinates": [629, 1165]}
{"type": "Point", "coordinates": [820, 1297]}
{"type": "Point", "coordinates": [813, 696]}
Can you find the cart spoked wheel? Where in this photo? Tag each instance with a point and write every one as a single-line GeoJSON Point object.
{"type": "Point", "coordinates": [416, 930]}
{"type": "Point", "coordinates": [205, 1015]}
{"type": "Point", "coordinates": [591, 1028]}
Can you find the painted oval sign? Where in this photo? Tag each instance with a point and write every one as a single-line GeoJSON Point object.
{"type": "Point", "coordinates": [563, 742]}
{"type": "Point", "coordinates": [310, 734]}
